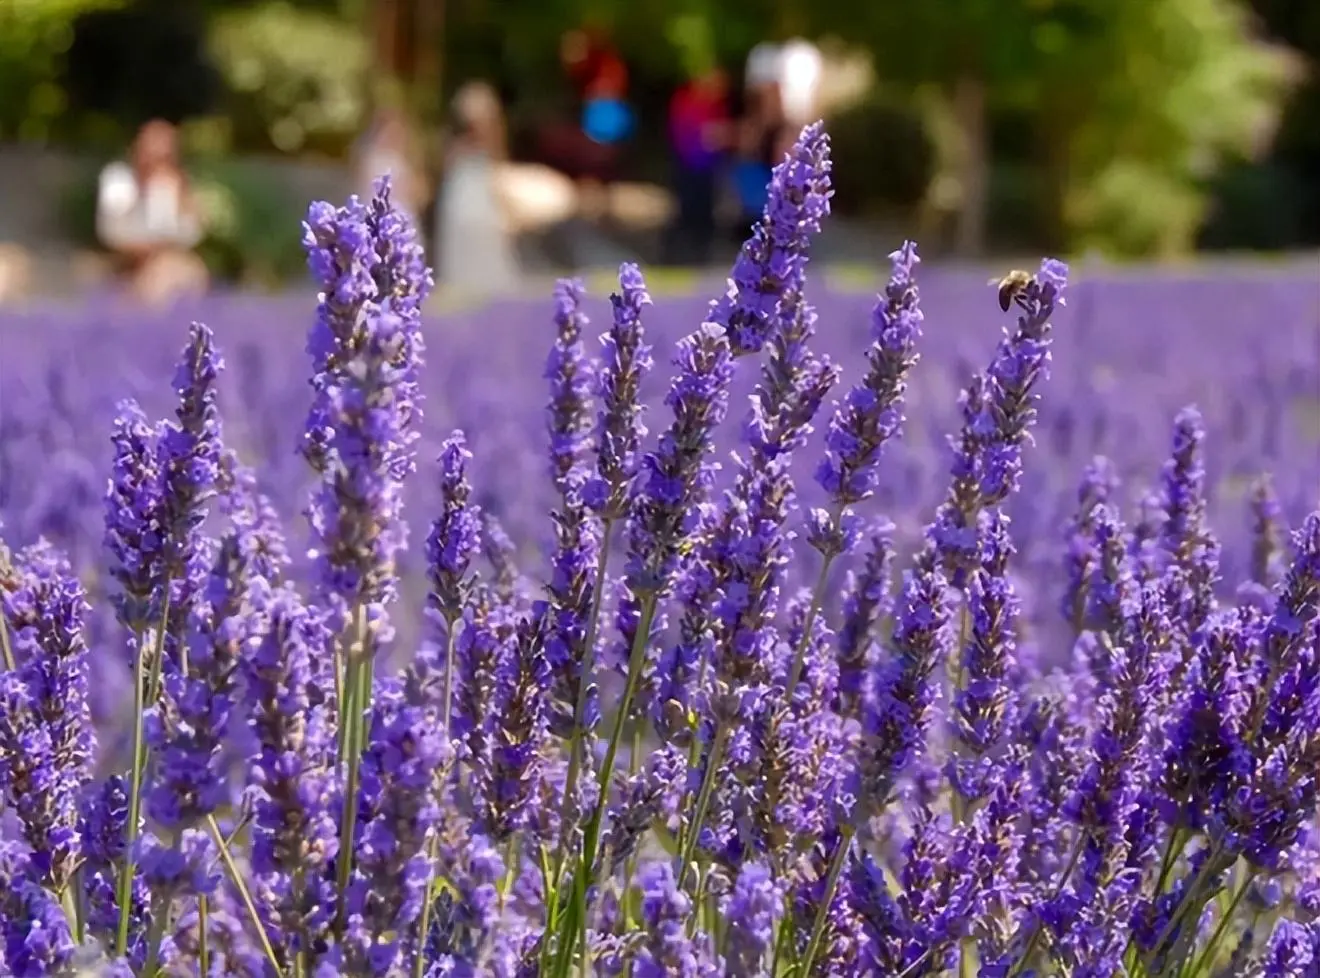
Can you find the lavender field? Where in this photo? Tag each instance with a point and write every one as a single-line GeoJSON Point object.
{"type": "Point", "coordinates": [1130, 350]}
{"type": "Point", "coordinates": [957, 630]}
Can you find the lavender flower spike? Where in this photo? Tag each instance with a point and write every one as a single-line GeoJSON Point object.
{"type": "Point", "coordinates": [191, 452]}
{"type": "Point", "coordinates": [569, 374]}
{"type": "Point", "coordinates": [676, 475]}
{"type": "Point", "coordinates": [774, 258]}
{"type": "Point", "coordinates": [619, 426]}
{"type": "Point", "coordinates": [872, 413]}
{"type": "Point", "coordinates": [366, 349]}
{"type": "Point", "coordinates": [34, 935]}
{"type": "Point", "coordinates": [132, 517]}
{"type": "Point", "coordinates": [669, 952]}
{"type": "Point", "coordinates": [455, 538]}
{"type": "Point", "coordinates": [1269, 532]}
{"type": "Point", "coordinates": [294, 793]}
{"type": "Point", "coordinates": [896, 718]}
{"type": "Point", "coordinates": [46, 735]}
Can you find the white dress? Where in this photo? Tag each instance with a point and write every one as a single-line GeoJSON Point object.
{"type": "Point", "coordinates": [476, 254]}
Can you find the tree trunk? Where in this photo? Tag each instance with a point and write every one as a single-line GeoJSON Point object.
{"type": "Point", "coordinates": [973, 164]}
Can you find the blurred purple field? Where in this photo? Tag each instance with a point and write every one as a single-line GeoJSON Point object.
{"type": "Point", "coordinates": [1129, 352]}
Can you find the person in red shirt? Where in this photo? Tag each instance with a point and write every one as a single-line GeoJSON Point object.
{"type": "Point", "coordinates": [700, 129]}
{"type": "Point", "coordinates": [589, 148]}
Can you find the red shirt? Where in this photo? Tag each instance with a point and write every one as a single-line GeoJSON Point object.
{"type": "Point", "coordinates": [693, 110]}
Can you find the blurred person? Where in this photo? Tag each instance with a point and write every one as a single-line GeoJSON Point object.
{"type": "Point", "coordinates": [15, 272]}
{"type": "Point", "coordinates": [590, 148]}
{"type": "Point", "coordinates": [700, 133]}
{"type": "Point", "coordinates": [473, 236]}
{"type": "Point", "coordinates": [147, 217]}
{"type": "Point", "coordinates": [800, 69]}
{"type": "Point", "coordinates": [388, 147]}
{"type": "Point", "coordinates": [763, 132]}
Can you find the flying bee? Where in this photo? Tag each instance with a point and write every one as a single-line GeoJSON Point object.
{"type": "Point", "coordinates": [1011, 286]}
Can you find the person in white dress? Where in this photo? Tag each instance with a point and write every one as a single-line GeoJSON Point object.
{"type": "Point", "coordinates": [474, 241]}
{"type": "Point", "coordinates": [800, 69]}
{"type": "Point", "coordinates": [388, 149]}
{"type": "Point", "coordinates": [146, 216]}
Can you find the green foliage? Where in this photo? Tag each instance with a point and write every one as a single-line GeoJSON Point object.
{"type": "Point", "coordinates": [297, 79]}
{"type": "Point", "coordinates": [34, 38]}
{"type": "Point", "coordinates": [1180, 92]}
{"type": "Point", "coordinates": [252, 220]}
{"type": "Point", "coordinates": [883, 157]}
{"type": "Point", "coordinates": [1136, 103]}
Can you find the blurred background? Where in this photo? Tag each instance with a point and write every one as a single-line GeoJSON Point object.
{"type": "Point", "coordinates": [531, 137]}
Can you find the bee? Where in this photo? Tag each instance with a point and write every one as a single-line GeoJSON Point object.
{"type": "Point", "coordinates": [1011, 286]}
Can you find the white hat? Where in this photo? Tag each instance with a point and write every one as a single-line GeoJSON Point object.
{"type": "Point", "coordinates": [763, 64]}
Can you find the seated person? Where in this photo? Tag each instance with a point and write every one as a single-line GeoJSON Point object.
{"type": "Point", "coordinates": [146, 216]}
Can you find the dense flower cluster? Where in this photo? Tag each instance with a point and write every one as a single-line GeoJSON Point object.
{"type": "Point", "coordinates": [680, 762]}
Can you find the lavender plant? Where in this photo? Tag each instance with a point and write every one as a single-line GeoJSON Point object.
{"type": "Point", "coordinates": [671, 758]}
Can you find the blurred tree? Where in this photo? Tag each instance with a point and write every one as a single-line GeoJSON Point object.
{"type": "Point", "coordinates": [141, 61]}
{"type": "Point", "coordinates": [296, 78]}
{"type": "Point", "coordinates": [35, 36]}
{"type": "Point", "coordinates": [1135, 102]}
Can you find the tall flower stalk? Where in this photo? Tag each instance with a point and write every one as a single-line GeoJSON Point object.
{"type": "Point", "coordinates": [360, 437]}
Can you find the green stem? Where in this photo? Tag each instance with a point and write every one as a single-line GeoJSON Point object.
{"type": "Point", "coordinates": [5, 647]}
{"type": "Point", "coordinates": [432, 845]}
{"type": "Point", "coordinates": [823, 911]}
{"type": "Point", "coordinates": [782, 941]}
{"type": "Point", "coordinates": [1206, 956]}
{"type": "Point", "coordinates": [630, 865]}
{"type": "Point", "coordinates": [203, 938]}
{"type": "Point", "coordinates": [352, 734]}
{"type": "Point", "coordinates": [243, 892]}
{"type": "Point", "coordinates": [551, 892]}
{"type": "Point", "coordinates": [576, 746]}
{"type": "Point", "coordinates": [586, 870]}
{"type": "Point", "coordinates": [817, 598]}
{"type": "Point", "coordinates": [1180, 911]}
{"type": "Point", "coordinates": [69, 901]}
{"type": "Point", "coordinates": [135, 790]}
{"type": "Point", "coordinates": [693, 831]}
{"type": "Point", "coordinates": [1030, 949]}
{"type": "Point", "coordinates": [424, 922]}
{"type": "Point", "coordinates": [511, 866]}
{"type": "Point", "coordinates": [160, 915]}
{"type": "Point", "coordinates": [1171, 851]}
{"type": "Point", "coordinates": [451, 625]}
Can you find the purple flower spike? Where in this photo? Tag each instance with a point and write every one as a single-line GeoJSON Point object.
{"type": "Point", "coordinates": [46, 735]}
{"type": "Point", "coordinates": [295, 791]}
{"type": "Point", "coordinates": [262, 549]}
{"type": "Point", "coordinates": [896, 721]}
{"type": "Point", "coordinates": [34, 936]}
{"type": "Point", "coordinates": [752, 912]}
{"type": "Point", "coordinates": [676, 476]}
{"type": "Point", "coordinates": [403, 767]}
{"type": "Point", "coordinates": [982, 707]}
{"type": "Point", "coordinates": [619, 426]}
{"type": "Point", "coordinates": [669, 952]}
{"type": "Point", "coordinates": [569, 374]}
{"type": "Point", "coordinates": [132, 518]}
{"type": "Point", "coordinates": [191, 453]}
{"type": "Point", "coordinates": [867, 602]}
{"type": "Point", "coordinates": [998, 408]}
{"type": "Point", "coordinates": [773, 260]}
{"type": "Point", "coordinates": [872, 414]}
{"type": "Point", "coordinates": [455, 538]}
{"type": "Point", "coordinates": [1098, 483]}
{"type": "Point", "coordinates": [366, 348]}
{"type": "Point", "coordinates": [1185, 539]}
{"type": "Point", "coordinates": [510, 783]}
{"type": "Point", "coordinates": [1269, 532]}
